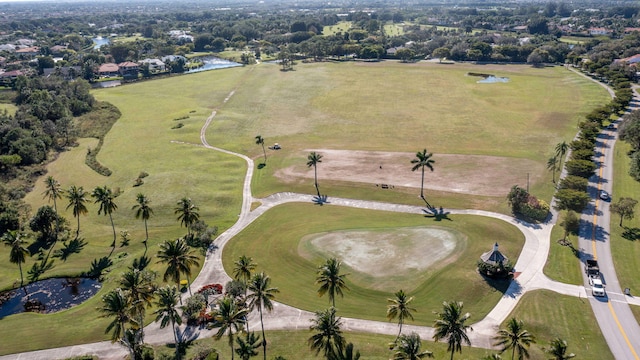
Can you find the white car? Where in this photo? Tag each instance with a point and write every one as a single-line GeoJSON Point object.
{"type": "Point", "coordinates": [604, 195]}
{"type": "Point", "coordinates": [597, 288]}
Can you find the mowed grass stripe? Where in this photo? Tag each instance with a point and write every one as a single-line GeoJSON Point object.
{"type": "Point", "coordinates": [273, 241]}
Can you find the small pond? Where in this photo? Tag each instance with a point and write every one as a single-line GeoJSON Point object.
{"type": "Point", "coordinates": [493, 79]}
{"type": "Point", "coordinates": [99, 41]}
{"type": "Point", "coordinates": [489, 78]}
{"type": "Point", "coordinates": [211, 63]}
{"type": "Point", "coordinates": [51, 295]}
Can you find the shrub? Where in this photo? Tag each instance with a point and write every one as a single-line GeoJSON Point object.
{"type": "Point", "coordinates": [583, 168]}
{"type": "Point", "coordinates": [574, 182]}
{"type": "Point", "coordinates": [583, 154]}
{"type": "Point", "coordinates": [501, 270]}
{"type": "Point", "coordinates": [535, 209]}
{"type": "Point", "coordinates": [571, 199]}
{"type": "Point", "coordinates": [576, 145]}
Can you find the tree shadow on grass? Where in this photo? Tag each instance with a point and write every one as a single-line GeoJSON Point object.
{"type": "Point", "coordinates": [320, 200]}
{"type": "Point", "coordinates": [503, 285]}
{"type": "Point", "coordinates": [436, 214]}
{"type": "Point", "coordinates": [261, 165]}
{"type": "Point", "coordinates": [631, 234]}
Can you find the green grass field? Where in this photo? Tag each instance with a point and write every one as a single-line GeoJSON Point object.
{"type": "Point", "coordinates": [562, 265]}
{"type": "Point", "coordinates": [292, 345]}
{"type": "Point", "coordinates": [341, 27]}
{"type": "Point", "coordinates": [273, 241]}
{"type": "Point", "coordinates": [625, 252]}
{"type": "Point", "coordinates": [385, 106]}
{"type": "Point", "coordinates": [10, 108]}
{"type": "Point", "coordinates": [548, 315]}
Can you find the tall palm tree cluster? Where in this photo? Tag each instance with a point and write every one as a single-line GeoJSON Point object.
{"type": "Point", "coordinates": [230, 314]}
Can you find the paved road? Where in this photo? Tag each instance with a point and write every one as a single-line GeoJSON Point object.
{"type": "Point", "coordinates": [530, 264]}
{"type": "Point", "coordinates": [616, 321]}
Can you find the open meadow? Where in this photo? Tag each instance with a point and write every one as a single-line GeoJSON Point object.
{"type": "Point", "coordinates": [387, 110]}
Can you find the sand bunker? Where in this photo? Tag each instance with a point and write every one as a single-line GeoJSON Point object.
{"type": "Point", "coordinates": [397, 253]}
{"type": "Point", "coordinates": [467, 174]}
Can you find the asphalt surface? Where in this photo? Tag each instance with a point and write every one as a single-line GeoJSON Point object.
{"type": "Point", "coordinates": [614, 317]}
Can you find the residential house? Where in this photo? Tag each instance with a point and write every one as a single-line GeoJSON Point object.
{"type": "Point", "coordinates": [128, 69]}
{"type": "Point", "coordinates": [155, 65]}
{"type": "Point", "coordinates": [66, 72]}
{"type": "Point", "coordinates": [28, 52]}
{"type": "Point", "coordinates": [7, 78]}
{"type": "Point", "coordinates": [596, 31]}
{"type": "Point", "coordinates": [58, 50]}
{"type": "Point", "coordinates": [108, 70]}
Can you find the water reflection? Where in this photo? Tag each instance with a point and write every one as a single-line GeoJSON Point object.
{"type": "Point", "coordinates": [48, 296]}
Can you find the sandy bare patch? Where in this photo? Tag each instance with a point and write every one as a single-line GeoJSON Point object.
{"type": "Point", "coordinates": [384, 255]}
{"type": "Point", "coordinates": [467, 174]}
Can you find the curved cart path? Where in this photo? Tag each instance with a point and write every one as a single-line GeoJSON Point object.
{"type": "Point", "coordinates": [529, 266]}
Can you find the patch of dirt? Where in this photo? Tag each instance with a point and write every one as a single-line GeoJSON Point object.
{"type": "Point", "coordinates": [384, 255]}
{"type": "Point", "coordinates": [466, 174]}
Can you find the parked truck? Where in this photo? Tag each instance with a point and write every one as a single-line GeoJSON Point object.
{"type": "Point", "coordinates": [595, 279]}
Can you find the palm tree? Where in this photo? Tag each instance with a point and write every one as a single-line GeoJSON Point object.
{"type": "Point", "coordinates": [261, 297]}
{"type": "Point", "coordinates": [166, 302]}
{"type": "Point", "coordinates": [561, 151]}
{"type": "Point", "coordinates": [242, 271]}
{"type": "Point", "coordinates": [422, 160]}
{"type": "Point", "coordinates": [229, 317]}
{"type": "Point", "coordinates": [330, 280]}
{"type": "Point", "coordinates": [247, 346]}
{"type": "Point", "coordinates": [104, 196]}
{"type": "Point", "coordinates": [552, 164]}
{"type": "Point", "coordinates": [18, 254]}
{"type": "Point", "coordinates": [407, 347]}
{"type": "Point", "coordinates": [328, 337]}
{"type": "Point", "coordinates": [188, 213]}
{"type": "Point", "coordinates": [179, 259]}
{"type": "Point", "coordinates": [516, 338]}
{"type": "Point", "coordinates": [53, 191]}
{"type": "Point", "coordinates": [450, 325]}
{"type": "Point", "coordinates": [313, 159]}
{"type": "Point", "coordinates": [558, 350]}
{"type": "Point", "coordinates": [144, 211]}
{"type": "Point", "coordinates": [399, 308]}
{"type": "Point", "coordinates": [115, 304]}
{"type": "Point", "coordinates": [260, 141]}
{"type": "Point", "coordinates": [349, 353]}
{"type": "Point", "coordinates": [77, 198]}
{"type": "Point", "coordinates": [139, 289]}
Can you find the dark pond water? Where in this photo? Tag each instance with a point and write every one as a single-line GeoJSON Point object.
{"type": "Point", "coordinates": [211, 63]}
{"type": "Point", "coordinates": [54, 294]}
